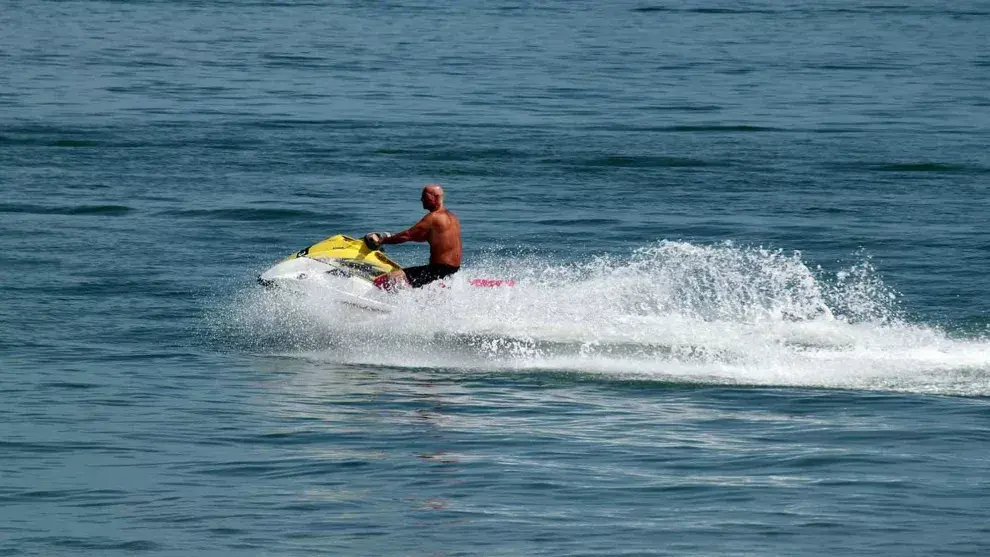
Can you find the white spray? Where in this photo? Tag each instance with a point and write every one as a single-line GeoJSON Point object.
{"type": "Point", "coordinates": [673, 311]}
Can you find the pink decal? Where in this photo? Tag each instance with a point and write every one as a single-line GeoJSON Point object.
{"type": "Point", "coordinates": [491, 283]}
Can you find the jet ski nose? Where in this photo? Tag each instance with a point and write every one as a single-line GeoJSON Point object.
{"type": "Point", "coordinates": [273, 282]}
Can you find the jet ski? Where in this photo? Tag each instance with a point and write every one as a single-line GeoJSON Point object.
{"type": "Point", "coordinates": [347, 269]}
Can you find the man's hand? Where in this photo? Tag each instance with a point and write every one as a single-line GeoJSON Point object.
{"type": "Point", "coordinates": [374, 239]}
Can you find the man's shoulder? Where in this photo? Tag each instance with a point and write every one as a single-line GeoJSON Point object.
{"type": "Point", "coordinates": [449, 219]}
{"type": "Point", "coordinates": [440, 216]}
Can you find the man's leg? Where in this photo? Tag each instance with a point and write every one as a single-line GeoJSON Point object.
{"type": "Point", "coordinates": [392, 280]}
{"type": "Point", "coordinates": [396, 278]}
{"type": "Point", "coordinates": [418, 276]}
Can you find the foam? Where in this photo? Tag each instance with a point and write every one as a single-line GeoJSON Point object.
{"type": "Point", "coordinates": [672, 311]}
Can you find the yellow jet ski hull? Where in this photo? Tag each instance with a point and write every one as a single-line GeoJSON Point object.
{"type": "Point", "coordinates": [354, 253]}
{"type": "Point", "coordinates": [336, 257]}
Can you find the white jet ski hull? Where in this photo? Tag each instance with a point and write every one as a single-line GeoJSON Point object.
{"type": "Point", "coordinates": [311, 276]}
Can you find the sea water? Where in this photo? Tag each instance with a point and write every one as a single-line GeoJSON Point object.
{"type": "Point", "coordinates": [749, 243]}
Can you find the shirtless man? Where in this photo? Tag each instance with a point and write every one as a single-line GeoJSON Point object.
{"type": "Point", "coordinates": [443, 232]}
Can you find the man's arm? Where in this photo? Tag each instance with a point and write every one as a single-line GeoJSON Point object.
{"type": "Point", "coordinates": [419, 232]}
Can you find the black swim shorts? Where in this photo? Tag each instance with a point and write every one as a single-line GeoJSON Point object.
{"type": "Point", "coordinates": [425, 274]}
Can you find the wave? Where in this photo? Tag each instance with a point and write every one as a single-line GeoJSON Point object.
{"type": "Point", "coordinates": [707, 11]}
{"type": "Point", "coordinates": [906, 167]}
{"type": "Point", "coordinates": [672, 312]}
{"type": "Point", "coordinates": [47, 142]}
{"type": "Point", "coordinates": [247, 214]}
{"type": "Point", "coordinates": [632, 161]}
{"type": "Point", "coordinates": [99, 210]}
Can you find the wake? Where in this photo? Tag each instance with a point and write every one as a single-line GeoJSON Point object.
{"type": "Point", "coordinates": [673, 311]}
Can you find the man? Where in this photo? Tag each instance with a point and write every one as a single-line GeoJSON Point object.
{"type": "Point", "coordinates": [443, 232]}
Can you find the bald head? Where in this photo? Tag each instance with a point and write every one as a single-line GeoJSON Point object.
{"type": "Point", "coordinates": [432, 197]}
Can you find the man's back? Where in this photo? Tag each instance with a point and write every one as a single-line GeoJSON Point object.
{"type": "Point", "coordinates": [445, 238]}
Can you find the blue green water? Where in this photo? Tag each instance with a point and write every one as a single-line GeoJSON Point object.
{"type": "Point", "coordinates": [683, 193]}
